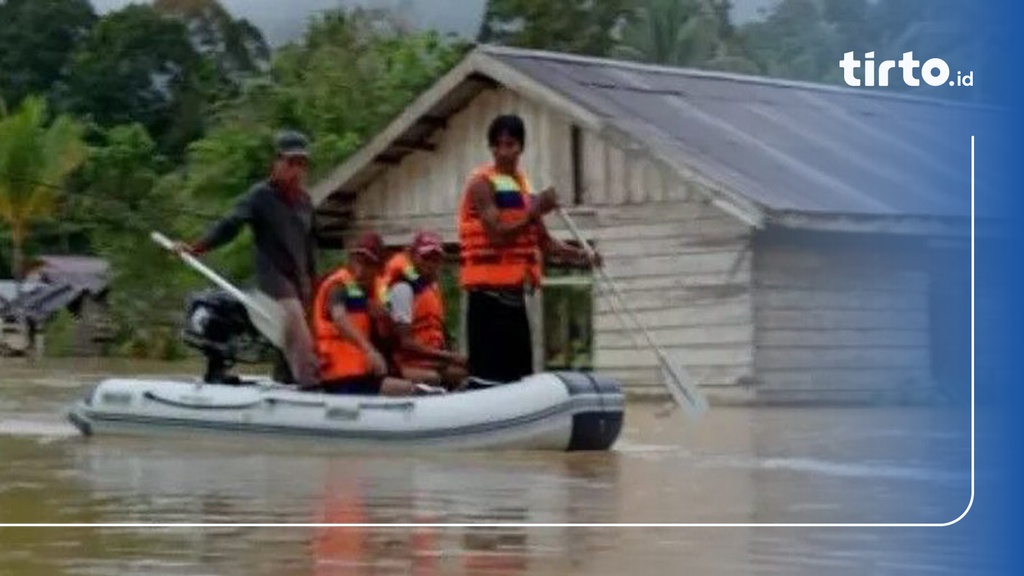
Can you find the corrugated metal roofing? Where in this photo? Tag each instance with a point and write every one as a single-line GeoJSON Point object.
{"type": "Point", "coordinates": [786, 146]}
{"type": "Point", "coordinates": [9, 289]}
{"type": "Point", "coordinates": [53, 284]}
{"type": "Point", "coordinates": [84, 272]}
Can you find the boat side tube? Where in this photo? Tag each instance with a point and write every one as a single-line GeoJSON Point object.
{"type": "Point", "coordinates": [599, 427]}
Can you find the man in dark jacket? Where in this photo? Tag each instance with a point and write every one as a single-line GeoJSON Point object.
{"type": "Point", "coordinates": [280, 215]}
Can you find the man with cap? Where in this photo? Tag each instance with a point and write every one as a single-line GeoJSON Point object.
{"type": "Point", "coordinates": [280, 215]}
{"type": "Point", "coordinates": [417, 313]}
{"type": "Point", "coordinates": [343, 324]}
{"type": "Point", "coordinates": [503, 243]}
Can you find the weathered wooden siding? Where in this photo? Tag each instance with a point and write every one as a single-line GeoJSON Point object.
{"type": "Point", "coordinates": [840, 323]}
{"type": "Point", "coordinates": [688, 279]}
{"type": "Point", "coordinates": [430, 183]}
{"type": "Point", "coordinates": [684, 265]}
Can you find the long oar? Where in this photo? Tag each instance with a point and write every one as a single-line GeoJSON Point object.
{"type": "Point", "coordinates": [677, 379]}
{"type": "Point", "coordinates": [264, 313]}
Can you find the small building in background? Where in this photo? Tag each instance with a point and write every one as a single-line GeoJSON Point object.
{"type": "Point", "coordinates": [77, 285]}
{"type": "Point", "coordinates": [786, 241]}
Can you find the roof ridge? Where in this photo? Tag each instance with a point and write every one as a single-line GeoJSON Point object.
{"type": "Point", "coordinates": [497, 50]}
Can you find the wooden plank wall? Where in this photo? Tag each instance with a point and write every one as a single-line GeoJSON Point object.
{"type": "Point", "coordinates": [684, 264]}
{"type": "Point", "coordinates": [842, 323]}
{"type": "Point", "coordinates": [429, 184]}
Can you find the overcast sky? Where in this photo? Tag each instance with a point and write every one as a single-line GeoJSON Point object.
{"type": "Point", "coordinates": [284, 20]}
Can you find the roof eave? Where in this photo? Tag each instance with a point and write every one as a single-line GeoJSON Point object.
{"type": "Point", "coordinates": [903, 225]}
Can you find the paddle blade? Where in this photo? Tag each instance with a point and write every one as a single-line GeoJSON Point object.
{"type": "Point", "coordinates": [267, 316]}
{"type": "Point", "coordinates": [682, 388]}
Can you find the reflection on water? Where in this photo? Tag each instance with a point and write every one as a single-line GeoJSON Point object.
{"type": "Point", "coordinates": [739, 465]}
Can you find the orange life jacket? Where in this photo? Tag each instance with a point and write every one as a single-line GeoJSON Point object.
{"type": "Point", "coordinates": [484, 264]}
{"type": "Point", "coordinates": [427, 312]}
{"type": "Point", "coordinates": [395, 266]}
{"type": "Point", "coordinates": [384, 328]}
{"type": "Point", "coordinates": [339, 356]}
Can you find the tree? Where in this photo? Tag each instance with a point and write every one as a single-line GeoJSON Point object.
{"type": "Point", "coordinates": [351, 74]}
{"type": "Point", "coordinates": [36, 159]}
{"type": "Point", "coordinates": [139, 66]}
{"type": "Point", "coordinates": [37, 38]}
{"type": "Point", "coordinates": [125, 196]}
{"type": "Point", "coordinates": [576, 26]}
{"type": "Point", "coordinates": [804, 39]}
{"type": "Point", "coordinates": [796, 42]}
{"type": "Point", "coordinates": [692, 33]}
{"type": "Point", "coordinates": [671, 32]}
{"type": "Point", "coordinates": [236, 47]}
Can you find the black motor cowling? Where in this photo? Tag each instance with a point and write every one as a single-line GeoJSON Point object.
{"type": "Point", "coordinates": [218, 325]}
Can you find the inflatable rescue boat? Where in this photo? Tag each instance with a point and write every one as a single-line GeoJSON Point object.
{"type": "Point", "coordinates": [548, 411]}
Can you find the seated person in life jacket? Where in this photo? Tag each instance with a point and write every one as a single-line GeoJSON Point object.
{"type": "Point", "coordinates": [342, 323]}
{"type": "Point", "coordinates": [384, 336]}
{"type": "Point", "coordinates": [417, 313]}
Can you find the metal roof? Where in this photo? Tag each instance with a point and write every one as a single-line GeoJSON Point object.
{"type": "Point", "coordinates": [85, 272]}
{"type": "Point", "coordinates": [54, 283]}
{"type": "Point", "coordinates": [42, 303]}
{"type": "Point", "coordinates": [787, 146]}
{"type": "Point", "coordinates": [777, 148]}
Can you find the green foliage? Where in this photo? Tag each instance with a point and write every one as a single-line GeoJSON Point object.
{"type": "Point", "coordinates": [796, 39]}
{"type": "Point", "coordinates": [236, 47]}
{"type": "Point", "coordinates": [124, 197]}
{"type": "Point", "coordinates": [36, 158]}
{"type": "Point", "coordinates": [37, 38]}
{"type": "Point", "coordinates": [184, 102]}
{"type": "Point", "coordinates": [796, 42]}
{"type": "Point", "coordinates": [689, 33]}
{"type": "Point", "coordinates": [139, 66]}
{"type": "Point", "coordinates": [575, 26]}
{"type": "Point", "coordinates": [60, 335]}
{"type": "Point", "coordinates": [568, 327]}
{"type": "Point", "coordinates": [803, 39]}
{"type": "Point", "coordinates": [448, 280]}
{"type": "Point", "coordinates": [350, 75]}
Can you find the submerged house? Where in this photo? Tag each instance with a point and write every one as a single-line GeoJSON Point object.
{"type": "Point", "coordinates": [78, 285]}
{"type": "Point", "coordinates": [786, 241]}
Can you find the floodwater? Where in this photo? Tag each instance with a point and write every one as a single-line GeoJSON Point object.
{"type": "Point", "coordinates": [738, 465]}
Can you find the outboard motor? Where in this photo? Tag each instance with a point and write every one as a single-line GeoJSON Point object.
{"type": "Point", "coordinates": [218, 325]}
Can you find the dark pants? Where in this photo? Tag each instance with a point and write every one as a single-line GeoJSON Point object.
{"type": "Point", "coordinates": [498, 334]}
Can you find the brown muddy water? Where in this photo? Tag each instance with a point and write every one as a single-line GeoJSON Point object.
{"type": "Point", "coordinates": [738, 465]}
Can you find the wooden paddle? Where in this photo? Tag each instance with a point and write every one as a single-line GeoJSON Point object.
{"type": "Point", "coordinates": [675, 377]}
{"type": "Point", "coordinates": [264, 313]}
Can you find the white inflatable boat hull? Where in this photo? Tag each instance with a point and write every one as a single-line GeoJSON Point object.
{"type": "Point", "coordinates": [551, 411]}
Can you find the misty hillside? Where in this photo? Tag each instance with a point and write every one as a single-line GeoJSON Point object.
{"type": "Point", "coordinates": [462, 17]}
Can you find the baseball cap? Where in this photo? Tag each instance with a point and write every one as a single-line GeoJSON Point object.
{"type": "Point", "coordinates": [426, 242]}
{"type": "Point", "coordinates": [370, 245]}
{"type": "Point", "coordinates": [290, 143]}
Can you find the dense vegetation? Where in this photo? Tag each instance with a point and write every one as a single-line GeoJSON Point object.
{"type": "Point", "coordinates": [157, 116]}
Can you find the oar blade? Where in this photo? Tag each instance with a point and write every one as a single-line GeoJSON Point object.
{"type": "Point", "coordinates": [682, 389]}
{"type": "Point", "coordinates": [267, 317]}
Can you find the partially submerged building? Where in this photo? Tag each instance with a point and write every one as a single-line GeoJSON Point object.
{"type": "Point", "coordinates": [787, 241]}
{"type": "Point", "coordinates": [78, 285]}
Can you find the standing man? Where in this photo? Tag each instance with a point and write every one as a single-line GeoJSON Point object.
{"type": "Point", "coordinates": [280, 215]}
{"type": "Point", "coordinates": [503, 241]}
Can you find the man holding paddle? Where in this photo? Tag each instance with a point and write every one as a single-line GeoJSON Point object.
{"type": "Point", "coordinates": [280, 215]}
{"type": "Point", "coordinates": [504, 240]}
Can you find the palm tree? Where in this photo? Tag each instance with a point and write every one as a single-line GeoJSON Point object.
{"type": "Point", "coordinates": [35, 161]}
{"type": "Point", "coordinates": [672, 32]}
